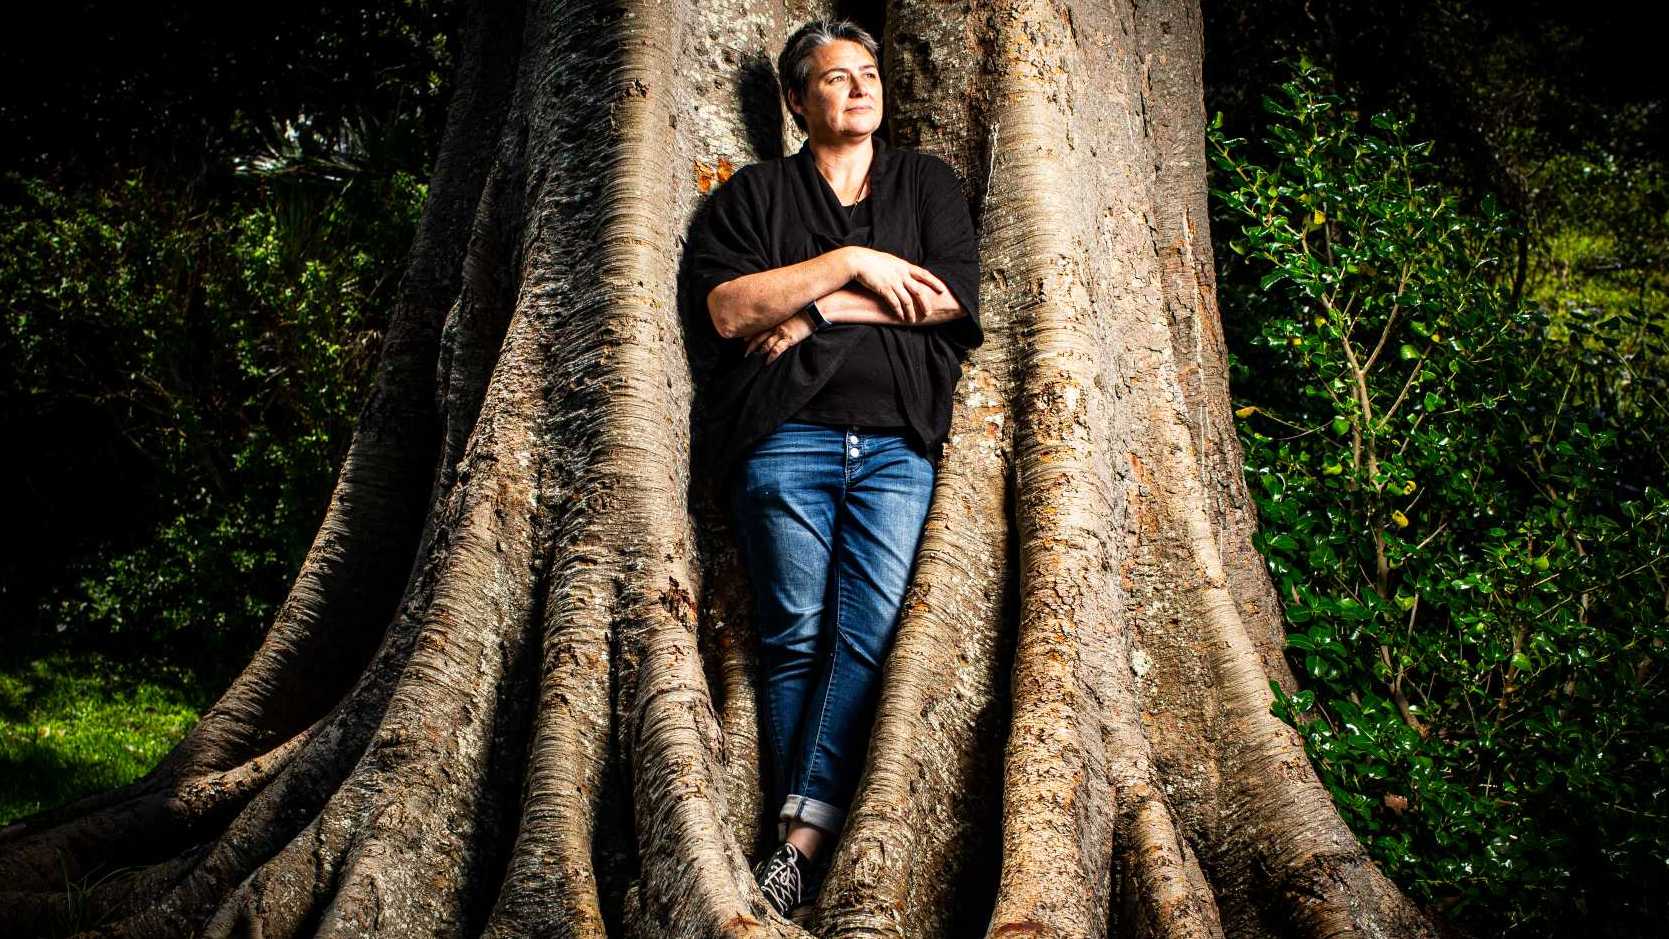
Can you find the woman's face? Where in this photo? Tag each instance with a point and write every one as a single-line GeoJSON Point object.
{"type": "Point", "coordinates": [843, 94]}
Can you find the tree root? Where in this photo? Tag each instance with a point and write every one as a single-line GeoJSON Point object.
{"type": "Point", "coordinates": [284, 808]}
{"type": "Point", "coordinates": [158, 818]}
{"type": "Point", "coordinates": [1058, 790]}
{"type": "Point", "coordinates": [357, 568]}
{"type": "Point", "coordinates": [694, 879]}
{"type": "Point", "coordinates": [1164, 893]}
{"type": "Point", "coordinates": [1276, 813]}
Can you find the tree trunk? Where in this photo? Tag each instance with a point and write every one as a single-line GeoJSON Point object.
{"type": "Point", "coordinates": [513, 689]}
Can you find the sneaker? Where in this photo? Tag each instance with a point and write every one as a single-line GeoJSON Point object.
{"type": "Point", "coordinates": [780, 877]}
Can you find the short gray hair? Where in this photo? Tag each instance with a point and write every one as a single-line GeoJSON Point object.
{"type": "Point", "coordinates": [794, 64]}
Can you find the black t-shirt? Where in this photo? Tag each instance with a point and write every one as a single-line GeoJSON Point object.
{"type": "Point", "coordinates": [780, 212]}
{"type": "Point", "coordinates": [861, 393]}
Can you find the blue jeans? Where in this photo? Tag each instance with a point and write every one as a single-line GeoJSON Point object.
{"type": "Point", "coordinates": [827, 520]}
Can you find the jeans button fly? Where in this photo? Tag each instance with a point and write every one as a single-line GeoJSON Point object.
{"type": "Point", "coordinates": [852, 452]}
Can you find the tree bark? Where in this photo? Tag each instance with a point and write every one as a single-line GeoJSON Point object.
{"type": "Point", "coordinates": [513, 691]}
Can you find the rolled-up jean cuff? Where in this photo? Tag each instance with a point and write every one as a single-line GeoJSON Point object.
{"type": "Point", "coordinates": [810, 811]}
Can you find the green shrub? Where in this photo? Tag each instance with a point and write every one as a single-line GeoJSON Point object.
{"type": "Point", "coordinates": [1471, 563]}
{"type": "Point", "coordinates": [213, 352]}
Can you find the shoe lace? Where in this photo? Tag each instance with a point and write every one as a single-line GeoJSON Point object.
{"type": "Point", "coordinates": [781, 884]}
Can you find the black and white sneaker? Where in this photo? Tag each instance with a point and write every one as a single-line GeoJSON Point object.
{"type": "Point", "coordinates": [781, 876]}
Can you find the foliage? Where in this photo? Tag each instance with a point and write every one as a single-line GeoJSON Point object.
{"type": "Point", "coordinates": [1601, 271]}
{"type": "Point", "coordinates": [1471, 558]}
{"type": "Point", "coordinates": [189, 370]}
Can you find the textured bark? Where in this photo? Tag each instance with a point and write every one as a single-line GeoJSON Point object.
{"type": "Point", "coordinates": [514, 691]}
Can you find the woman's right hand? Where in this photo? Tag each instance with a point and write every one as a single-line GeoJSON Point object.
{"type": "Point", "coordinates": [906, 288]}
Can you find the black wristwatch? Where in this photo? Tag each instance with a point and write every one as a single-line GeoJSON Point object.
{"type": "Point", "coordinates": [818, 323]}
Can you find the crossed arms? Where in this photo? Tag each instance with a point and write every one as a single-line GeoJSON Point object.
{"type": "Point", "coordinates": [888, 291]}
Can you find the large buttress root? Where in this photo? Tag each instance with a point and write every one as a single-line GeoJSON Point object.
{"type": "Point", "coordinates": [552, 884]}
{"type": "Point", "coordinates": [694, 877]}
{"type": "Point", "coordinates": [1060, 795]}
{"type": "Point", "coordinates": [622, 592]}
{"type": "Point", "coordinates": [1277, 825]}
{"type": "Point", "coordinates": [426, 808]}
{"type": "Point", "coordinates": [1280, 850]}
{"type": "Point", "coordinates": [438, 722]}
{"type": "Point", "coordinates": [281, 880]}
{"type": "Point", "coordinates": [112, 896]}
{"type": "Point", "coordinates": [1170, 41]}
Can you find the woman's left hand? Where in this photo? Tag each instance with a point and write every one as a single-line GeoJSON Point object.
{"type": "Point", "coordinates": [781, 337]}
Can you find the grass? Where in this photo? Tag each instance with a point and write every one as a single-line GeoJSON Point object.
{"type": "Point", "coordinates": [73, 724]}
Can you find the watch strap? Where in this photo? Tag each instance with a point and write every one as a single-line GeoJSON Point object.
{"type": "Point", "coordinates": [819, 323]}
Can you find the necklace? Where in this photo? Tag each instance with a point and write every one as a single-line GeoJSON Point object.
{"type": "Point", "coordinates": [863, 187]}
{"type": "Point", "coordinates": [852, 209]}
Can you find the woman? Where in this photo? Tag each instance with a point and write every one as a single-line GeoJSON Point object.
{"type": "Point", "coordinates": [842, 285]}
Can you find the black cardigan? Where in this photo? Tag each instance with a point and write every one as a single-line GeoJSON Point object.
{"type": "Point", "coordinates": [780, 212]}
